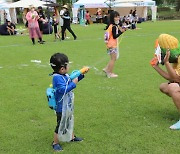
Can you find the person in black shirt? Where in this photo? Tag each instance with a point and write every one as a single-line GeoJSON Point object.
{"type": "Point", "coordinates": [66, 25]}
{"type": "Point", "coordinates": [41, 19]}
{"type": "Point", "coordinates": [134, 13]}
{"type": "Point", "coordinates": [10, 28]}
{"type": "Point", "coordinates": [55, 24]}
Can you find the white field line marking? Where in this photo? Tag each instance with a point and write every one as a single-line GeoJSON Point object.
{"type": "Point", "coordinates": [86, 39]}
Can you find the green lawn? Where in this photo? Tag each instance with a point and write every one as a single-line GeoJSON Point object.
{"type": "Point", "coordinates": [127, 114]}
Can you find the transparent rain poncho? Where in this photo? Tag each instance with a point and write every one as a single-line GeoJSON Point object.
{"type": "Point", "coordinates": [65, 130]}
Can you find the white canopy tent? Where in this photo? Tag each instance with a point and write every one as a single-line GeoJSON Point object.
{"type": "Point", "coordinates": [3, 4]}
{"type": "Point", "coordinates": [91, 4]}
{"type": "Point", "coordinates": [88, 4]}
{"type": "Point", "coordinates": [27, 3]}
{"type": "Point", "coordinates": [141, 7]}
{"type": "Point", "coordinates": [7, 13]}
{"type": "Point", "coordinates": [122, 6]}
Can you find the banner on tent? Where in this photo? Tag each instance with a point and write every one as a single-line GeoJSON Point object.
{"type": "Point", "coordinates": [150, 3]}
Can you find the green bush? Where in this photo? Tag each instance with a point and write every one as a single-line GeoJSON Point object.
{"type": "Point", "coordinates": [163, 9]}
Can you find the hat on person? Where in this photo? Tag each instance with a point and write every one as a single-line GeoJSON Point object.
{"type": "Point", "coordinates": [99, 9]}
{"type": "Point", "coordinates": [40, 7]}
{"type": "Point", "coordinates": [31, 6]}
{"type": "Point", "coordinates": [65, 6]}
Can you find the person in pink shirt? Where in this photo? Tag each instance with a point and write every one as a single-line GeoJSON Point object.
{"type": "Point", "coordinates": [87, 18]}
{"type": "Point", "coordinates": [33, 26]}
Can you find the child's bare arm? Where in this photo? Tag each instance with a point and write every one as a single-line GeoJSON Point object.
{"type": "Point", "coordinates": [162, 72]}
{"type": "Point", "coordinates": [155, 64]}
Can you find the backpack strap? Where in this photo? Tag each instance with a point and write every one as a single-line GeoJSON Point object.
{"type": "Point", "coordinates": [110, 28]}
{"type": "Point", "coordinates": [66, 84]}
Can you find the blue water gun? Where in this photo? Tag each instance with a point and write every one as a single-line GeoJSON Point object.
{"type": "Point", "coordinates": [76, 73]}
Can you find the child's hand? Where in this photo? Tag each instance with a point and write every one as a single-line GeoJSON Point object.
{"type": "Point", "coordinates": [154, 62]}
{"type": "Point", "coordinates": [166, 58]}
{"type": "Point", "coordinates": [122, 29]}
{"type": "Point", "coordinates": [75, 80]}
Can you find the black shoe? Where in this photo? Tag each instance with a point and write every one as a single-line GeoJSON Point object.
{"type": "Point", "coordinates": [75, 38]}
{"type": "Point", "coordinates": [76, 139]}
{"type": "Point", "coordinates": [57, 147]}
{"type": "Point", "coordinates": [41, 42]}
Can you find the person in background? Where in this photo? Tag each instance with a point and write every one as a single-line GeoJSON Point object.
{"type": "Point", "coordinates": [61, 20]}
{"type": "Point", "coordinates": [130, 16]}
{"type": "Point", "coordinates": [33, 26]}
{"type": "Point", "coordinates": [5, 17]}
{"type": "Point", "coordinates": [134, 13]}
{"type": "Point", "coordinates": [66, 23]}
{"type": "Point", "coordinates": [87, 16]}
{"type": "Point", "coordinates": [10, 28]}
{"type": "Point", "coordinates": [78, 15]}
{"type": "Point", "coordinates": [25, 11]}
{"type": "Point", "coordinates": [55, 24]}
{"type": "Point", "coordinates": [41, 19]}
{"type": "Point", "coordinates": [99, 16]}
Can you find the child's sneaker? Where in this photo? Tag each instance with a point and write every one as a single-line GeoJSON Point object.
{"type": "Point", "coordinates": [176, 126]}
{"type": "Point", "coordinates": [104, 70]}
{"type": "Point", "coordinates": [76, 139]}
{"type": "Point", "coordinates": [112, 75]}
{"type": "Point", "coordinates": [57, 147]}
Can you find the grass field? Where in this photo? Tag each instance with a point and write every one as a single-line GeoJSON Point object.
{"type": "Point", "coordinates": [127, 114]}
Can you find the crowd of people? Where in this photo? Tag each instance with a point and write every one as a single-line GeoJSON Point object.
{"type": "Point", "coordinates": [130, 21]}
{"type": "Point", "coordinates": [35, 20]}
{"type": "Point", "coordinates": [60, 21]}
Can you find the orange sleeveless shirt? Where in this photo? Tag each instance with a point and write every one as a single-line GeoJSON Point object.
{"type": "Point", "coordinates": [112, 43]}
